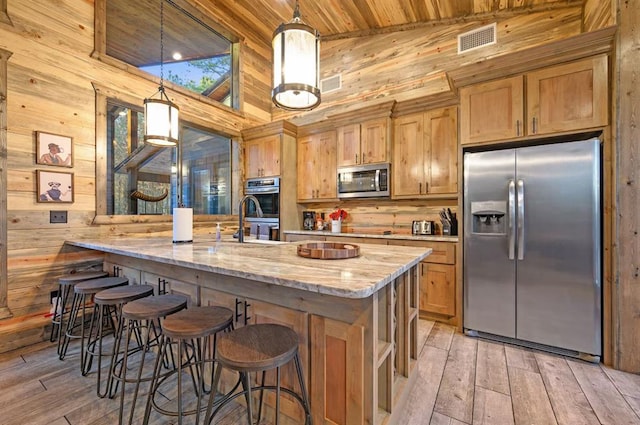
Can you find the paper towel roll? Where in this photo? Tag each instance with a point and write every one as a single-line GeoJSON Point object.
{"type": "Point", "coordinates": [182, 225]}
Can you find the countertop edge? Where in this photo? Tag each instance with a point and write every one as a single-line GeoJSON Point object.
{"type": "Point", "coordinates": [280, 281]}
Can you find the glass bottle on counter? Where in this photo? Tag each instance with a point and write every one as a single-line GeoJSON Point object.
{"type": "Point", "coordinates": [320, 221]}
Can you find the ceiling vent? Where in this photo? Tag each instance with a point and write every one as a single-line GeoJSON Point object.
{"type": "Point", "coordinates": [331, 84]}
{"type": "Point", "coordinates": [475, 39]}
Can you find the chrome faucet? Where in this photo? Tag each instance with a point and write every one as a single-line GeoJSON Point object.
{"type": "Point", "coordinates": [241, 210]}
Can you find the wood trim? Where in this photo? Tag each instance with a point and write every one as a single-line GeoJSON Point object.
{"type": "Point", "coordinates": [4, 17]}
{"type": "Point", "coordinates": [4, 284]}
{"type": "Point", "coordinates": [566, 50]}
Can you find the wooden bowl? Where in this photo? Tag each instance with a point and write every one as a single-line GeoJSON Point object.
{"type": "Point", "coordinates": [328, 250]}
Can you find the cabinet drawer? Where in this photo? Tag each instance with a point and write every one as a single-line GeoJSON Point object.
{"type": "Point", "coordinates": [443, 252]}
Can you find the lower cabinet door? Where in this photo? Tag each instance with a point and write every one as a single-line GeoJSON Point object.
{"type": "Point", "coordinates": [337, 356]}
{"type": "Point", "coordinates": [438, 288]}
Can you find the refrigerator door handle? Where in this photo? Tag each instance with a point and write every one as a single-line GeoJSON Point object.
{"type": "Point", "coordinates": [512, 216]}
{"type": "Point", "coordinates": [520, 220]}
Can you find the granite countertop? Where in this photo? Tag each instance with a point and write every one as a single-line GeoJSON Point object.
{"type": "Point", "coordinates": [432, 238]}
{"type": "Point", "coordinates": [273, 263]}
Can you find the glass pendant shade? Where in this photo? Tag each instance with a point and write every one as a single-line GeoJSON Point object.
{"type": "Point", "coordinates": [296, 66]}
{"type": "Point", "coordinates": [160, 121]}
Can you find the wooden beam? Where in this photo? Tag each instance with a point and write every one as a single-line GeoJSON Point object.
{"type": "Point", "coordinates": [4, 284]}
{"type": "Point", "coordinates": [626, 326]}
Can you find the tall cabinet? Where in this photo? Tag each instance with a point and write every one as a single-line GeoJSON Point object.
{"type": "Point", "coordinates": [270, 150]}
{"type": "Point", "coordinates": [425, 154]}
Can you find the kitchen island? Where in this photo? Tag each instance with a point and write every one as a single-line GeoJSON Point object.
{"type": "Point", "coordinates": [357, 318]}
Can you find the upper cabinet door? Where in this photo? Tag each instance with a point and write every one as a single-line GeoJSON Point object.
{"type": "Point", "coordinates": [374, 144]}
{"type": "Point", "coordinates": [262, 157]}
{"type": "Point", "coordinates": [408, 156]}
{"type": "Point", "coordinates": [492, 111]}
{"type": "Point", "coordinates": [568, 97]}
{"type": "Point", "coordinates": [325, 171]}
{"type": "Point", "coordinates": [306, 188]}
{"type": "Point", "coordinates": [441, 138]}
{"type": "Point", "coordinates": [348, 151]}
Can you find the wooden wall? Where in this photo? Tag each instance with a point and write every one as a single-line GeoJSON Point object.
{"type": "Point", "coordinates": [50, 76]}
{"type": "Point", "coordinates": [626, 295]}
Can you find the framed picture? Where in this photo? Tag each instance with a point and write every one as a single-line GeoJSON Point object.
{"type": "Point", "coordinates": [54, 186]}
{"type": "Point", "coordinates": [54, 149]}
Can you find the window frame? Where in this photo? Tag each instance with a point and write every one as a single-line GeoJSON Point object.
{"type": "Point", "coordinates": [100, 53]}
{"type": "Point", "coordinates": [102, 95]}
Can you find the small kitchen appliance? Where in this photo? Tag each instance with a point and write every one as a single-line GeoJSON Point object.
{"type": "Point", "coordinates": [422, 227]}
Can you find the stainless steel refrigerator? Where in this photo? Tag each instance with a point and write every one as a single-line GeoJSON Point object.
{"type": "Point", "coordinates": [532, 245]}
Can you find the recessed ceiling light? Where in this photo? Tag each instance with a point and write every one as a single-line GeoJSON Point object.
{"type": "Point", "coordinates": [177, 56]}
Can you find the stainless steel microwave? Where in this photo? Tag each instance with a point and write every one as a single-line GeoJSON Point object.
{"type": "Point", "coordinates": [363, 181]}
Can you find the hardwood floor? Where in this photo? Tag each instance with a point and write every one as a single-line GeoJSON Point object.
{"type": "Point", "coordinates": [461, 380]}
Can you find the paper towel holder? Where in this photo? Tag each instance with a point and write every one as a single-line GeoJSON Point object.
{"type": "Point", "coordinates": [182, 225]}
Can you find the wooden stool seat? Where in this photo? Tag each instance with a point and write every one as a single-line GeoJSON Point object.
{"type": "Point", "coordinates": [194, 333]}
{"type": "Point", "coordinates": [60, 309]}
{"type": "Point", "coordinates": [123, 294]}
{"type": "Point", "coordinates": [154, 307]}
{"type": "Point", "coordinates": [93, 286]}
{"type": "Point", "coordinates": [197, 322]}
{"type": "Point", "coordinates": [257, 347]}
{"type": "Point", "coordinates": [80, 276]}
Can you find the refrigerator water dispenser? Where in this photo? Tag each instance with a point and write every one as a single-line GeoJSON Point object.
{"type": "Point", "coordinates": [489, 217]}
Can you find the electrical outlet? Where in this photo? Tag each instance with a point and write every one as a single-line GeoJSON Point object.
{"type": "Point", "coordinates": [57, 216]}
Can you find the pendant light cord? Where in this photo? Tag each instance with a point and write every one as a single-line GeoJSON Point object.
{"type": "Point", "coordinates": [162, 45]}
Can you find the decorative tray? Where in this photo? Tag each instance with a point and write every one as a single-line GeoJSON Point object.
{"type": "Point", "coordinates": [328, 250]}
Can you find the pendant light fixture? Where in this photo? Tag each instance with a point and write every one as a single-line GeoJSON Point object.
{"type": "Point", "coordinates": [160, 114]}
{"type": "Point", "coordinates": [296, 65]}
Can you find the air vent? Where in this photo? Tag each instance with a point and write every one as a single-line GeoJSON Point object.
{"type": "Point", "coordinates": [330, 84]}
{"type": "Point", "coordinates": [477, 38]}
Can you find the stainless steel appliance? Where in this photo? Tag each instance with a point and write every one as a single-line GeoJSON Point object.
{"type": "Point", "coordinates": [532, 245]}
{"type": "Point", "coordinates": [422, 227]}
{"type": "Point", "coordinates": [267, 191]}
{"type": "Point", "coordinates": [363, 181]}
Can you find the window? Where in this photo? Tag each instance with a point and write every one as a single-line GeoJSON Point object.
{"type": "Point", "coordinates": [143, 179]}
{"type": "Point", "coordinates": [195, 55]}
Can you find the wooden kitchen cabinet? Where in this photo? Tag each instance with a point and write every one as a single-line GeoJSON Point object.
{"type": "Point", "coordinates": [317, 172]}
{"type": "Point", "coordinates": [438, 288]}
{"type": "Point", "coordinates": [365, 143]}
{"type": "Point", "coordinates": [559, 99]}
{"type": "Point", "coordinates": [425, 154]}
{"type": "Point", "coordinates": [568, 97]}
{"type": "Point", "coordinates": [262, 157]}
{"type": "Point", "coordinates": [492, 111]}
{"type": "Point", "coordinates": [437, 277]}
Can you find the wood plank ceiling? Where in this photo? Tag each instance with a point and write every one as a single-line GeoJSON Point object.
{"type": "Point", "coordinates": [332, 18]}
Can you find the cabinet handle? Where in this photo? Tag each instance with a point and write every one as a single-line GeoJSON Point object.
{"type": "Point", "coordinates": [363, 157]}
{"type": "Point", "coordinates": [420, 188]}
{"type": "Point", "coordinates": [356, 158]}
{"type": "Point", "coordinates": [246, 313]}
{"type": "Point", "coordinates": [426, 187]}
{"type": "Point", "coordinates": [421, 269]}
{"type": "Point", "coordinates": [517, 127]}
{"type": "Point", "coordinates": [238, 314]}
{"type": "Point", "coordinates": [535, 125]}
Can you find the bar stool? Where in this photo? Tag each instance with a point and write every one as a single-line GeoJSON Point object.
{"type": "Point", "coordinates": [108, 304]}
{"type": "Point", "coordinates": [195, 328]}
{"type": "Point", "coordinates": [65, 286]}
{"type": "Point", "coordinates": [140, 317]}
{"type": "Point", "coordinates": [83, 292]}
{"type": "Point", "coordinates": [258, 348]}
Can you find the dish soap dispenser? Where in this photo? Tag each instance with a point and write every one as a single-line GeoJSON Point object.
{"type": "Point", "coordinates": [218, 235]}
